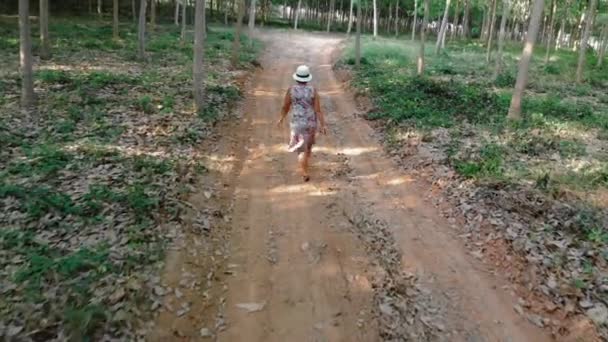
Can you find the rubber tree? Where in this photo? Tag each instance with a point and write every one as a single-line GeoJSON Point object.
{"type": "Point", "coordinates": [176, 15]}
{"type": "Point", "coordinates": [251, 17]}
{"type": "Point", "coordinates": [295, 23]}
{"type": "Point", "coordinates": [603, 20]}
{"type": "Point", "coordinates": [115, 34]}
{"type": "Point", "coordinates": [141, 31]}
{"type": "Point", "coordinates": [236, 44]}
{"type": "Point", "coordinates": [99, 3]}
{"type": "Point", "coordinates": [396, 18]}
{"type": "Point", "coordinates": [582, 51]}
{"type": "Point", "coordinates": [425, 20]}
{"type": "Point", "coordinates": [198, 73]}
{"type": "Point", "coordinates": [330, 15]}
{"type": "Point", "coordinates": [358, 37]}
{"type": "Point", "coordinates": [182, 36]}
{"type": "Point", "coordinates": [415, 19]}
{"type": "Point", "coordinates": [491, 31]}
{"type": "Point", "coordinates": [444, 27]}
{"type": "Point", "coordinates": [524, 61]}
{"type": "Point", "coordinates": [152, 14]}
{"type": "Point", "coordinates": [550, 34]}
{"type": "Point", "coordinates": [466, 19]}
{"type": "Point", "coordinates": [350, 18]}
{"type": "Point", "coordinates": [134, 11]}
{"type": "Point", "coordinates": [506, 8]}
{"type": "Point", "coordinates": [25, 56]}
{"type": "Point", "coordinates": [375, 6]}
{"type": "Point", "coordinates": [45, 48]}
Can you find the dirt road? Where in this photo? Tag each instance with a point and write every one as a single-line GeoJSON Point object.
{"type": "Point", "coordinates": [357, 254]}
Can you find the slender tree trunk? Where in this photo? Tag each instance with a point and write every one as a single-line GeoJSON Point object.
{"type": "Point", "coordinates": [45, 49]}
{"type": "Point", "coordinates": [152, 14]}
{"type": "Point", "coordinates": [134, 11]}
{"type": "Point", "coordinates": [444, 26]}
{"type": "Point", "coordinates": [236, 45]}
{"type": "Point", "coordinates": [182, 36]}
{"type": "Point", "coordinates": [396, 18]}
{"type": "Point", "coordinates": [350, 17]}
{"type": "Point", "coordinates": [176, 16]}
{"type": "Point", "coordinates": [560, 34]}
{"type": "Point", "coordinates": [358, 37]}
{"type": "Point", "coordinates": [465, 21]}
{"type": "Point", "coordinates": [583, 45]}
{"type": "Point", "coordinates": [456, 19]}
{"type": "Point", "coordinates": [115, 34]}
{"type": "Point", "coordinates": [604, 46]}
{"type": "Point", "coordinates": [331, 14]}
{"type": "Point", "coordinates": [415, 19]}
{"type": "Point", "coordinates": [501, 37]}
{"type": "Point", "coordinates": [425, 19]}
{"type": "Point", "coordinates": [226, 9]}
{"type": "Point", "coordinates": [99, 8]}
{"type": "Point", "coordinates": [375, 18]}
{"type": "Point", "coordinates": [577, 32]}
{"type": "Point", "coordinates": [295, 25]}
{"type": "Point", "coordinates": [550, 37]}
{"type": "Point", "coordinates": [197, 65]}
{"type": "Point", "coordinates": [141, 35]}
{"type": "Point", "coordinates": [491, 32]}
{"type": "Point", "coordinates": [524, 61]}
{"type": "Point", "coordinates": [90, 6]}
{"type": "Point", "coordinates": [484, 26]}
{"type": "Point", "coordinates": [25, 51]}
{"type": "Point", "coordinates": [251, 17]}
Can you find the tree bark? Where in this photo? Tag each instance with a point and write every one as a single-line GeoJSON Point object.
{"type": "Point", "coordinates": [25, 53]}
{"type": "Point", "coordinates": [182, 36]}
{"type": "Point", "coordinates": [226, 9]}
{"type": "Point", "coordinates": [425, 19]}
{"type": "Point", "coordinates": [415, 19]}
{"type": "Point", "coordinates": [176, 16]}
{"type": "Point", "coordinates": [491, 31]}
{"type": "Point", "coordinates": [295, 24]}
{"type": "Point", "coordinates": [358, 38]}
{"type": "Point", "coordinates": [330, 14]}
{"type": "Point", "coordinates": [152, 14]}
{"type": "Point", "coordinates": [197, 65]}
{"type": "Point", "coordinates": [375, 18]}
{"type": "Point", "coordinates": [456, 19]}
{"type": "Point", "coordinates": [236, 45]}
{"type": "Point", "coordinates": [524, 61]}
{"type": "Point", "coordinates": [115, 34]}
{"type": "Point", "coordinates": [134, 11]}
{"type": "Point", "coordinates": [444, 26]}
{"type": "Point", "coordinates": [45, 49]}
{"type": "Point", "coordinates": [350, 18]}
{"type": "Point", "coordinates": [99, 8]}
{"type": "Point", "coordinates": [465, 21]}
{"type": "Point", "coordinates": [603, 47]}
{"type": "Point", "coordinates": [251, 17]}
{"type": "Point", "coordinates": [141, 32]}
{"type": "Point", "coordinates": [501, 37]}
{"type": "Point", "coordinates": [550, 37]}
{"type": "Point", "coordinates": [583, 45]}
{"type": "Point", "coordinates": [396, 18]}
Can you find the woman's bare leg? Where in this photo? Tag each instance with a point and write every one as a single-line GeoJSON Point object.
{"type": "Point", "coordinates": [304, 159]}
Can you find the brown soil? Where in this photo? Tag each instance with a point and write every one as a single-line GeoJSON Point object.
{"type": "Point", "coordinates": [289, 250]}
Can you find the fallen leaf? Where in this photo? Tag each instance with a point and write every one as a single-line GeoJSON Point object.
{"type": "Point", "coordinates": [251, 307]}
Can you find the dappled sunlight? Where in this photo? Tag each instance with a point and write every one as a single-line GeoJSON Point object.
{"type": "Point", "coordinates": [399, 180]}
{"type": "Point", "coordinates": [265, 93]}
{"type": "Point", "coordinates": [331, 92]}
{"type": "Point", "coordinates": [348, 151]}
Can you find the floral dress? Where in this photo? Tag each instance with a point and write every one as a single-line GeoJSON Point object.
{"type": "Point", "coordinates": [303, 122]}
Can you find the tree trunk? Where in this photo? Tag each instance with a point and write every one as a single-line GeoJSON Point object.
{"type": "Point", "coordinates": [603, 47]}
{"type": "Point", "coordinates": [295, 23]}
{"type": "Point", "coordinates": [99, 8]}
{"type": "Point", "coordinates": [456, 19]}
{"type": "Point", "coordinates": [115, 34]}
{"type": "Point", "coordinates": [226, 9]}
{"type": "Point", "coordinates": [350, 18]}
{"type": "Point", "coordinates": [176, 16]}
{"type": "Point", "coordinates": [197, 65]}
{"type": "Point", "coordinates": [45, 49]}
{"type": "Point", "coordinates": [524, 61]}
{"type": "Point", "coordinates": [358, 38]}
{"type": "Point", "coordinates": [152, 14]}
{"type": "Point", "coordinates": [90, 6]}
{"type": "Point", "coordinates": [331, 14]}
{"type": "Point", "coordinates": [560, 34]}
{"type": "Point", "coordinates": [444, 26]}
{"type": "Point", "coordinates": [415, 19]}
{"type": "Point", "coordinates": [501, 37]}
{"type": "Point", "coordinates": [396, 19]}
{"type": "Point", "coordinates": [141, 33]}
{"type": "Point", "coordinates": [25, 52]}
{"type": "Point", "coordinates": [465, 21]}
{"type": "Point", "coordinates": [550, 37]}
{"type": "Point", "coordinates": [583, 45]}
{"type": "Point", "coordinates": [375, 18]}
{"type": "Point", "coordinates": [491, 31]}
{"type": "Point", "coordinates": [182, 36]}
{"type": "Point", "coordinates": [236, 45]}
{"type": "Point", "coordinates": [425, 19]}
{"type": "Point", "coordinates": [251, 17]}
{"type": "Point", "coordinates": [484, 26]}
{"type": "Point", "coordinates": [133, 11]}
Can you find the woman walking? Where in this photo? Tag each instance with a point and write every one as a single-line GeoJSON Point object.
{"type": "Point", "coordinates": [302, 101]}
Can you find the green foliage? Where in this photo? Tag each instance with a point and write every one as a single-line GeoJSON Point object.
{"type": "Point", "coordinates": [505, 80]}
{"type": "Point", "coordinates": [145, 104]}
{"type": "Point", "coordinates": [489, 163]}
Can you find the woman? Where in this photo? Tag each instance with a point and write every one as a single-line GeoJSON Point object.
{"type": "Point", "coordinates": [302, 100]}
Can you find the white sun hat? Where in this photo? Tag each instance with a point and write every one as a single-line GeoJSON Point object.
{"type": "Point", "coordinates": [302, 74]}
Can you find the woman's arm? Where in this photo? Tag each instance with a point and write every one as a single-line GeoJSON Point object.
{"type": "Point", "coordinates": [320, 116]}
{"type": "Point", "coordinates": [286, 107]}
